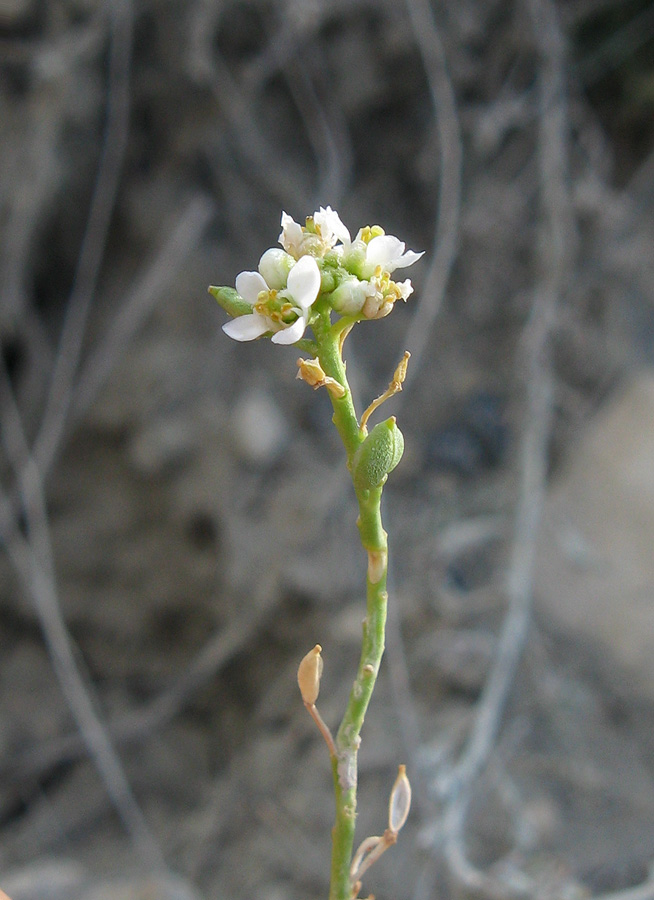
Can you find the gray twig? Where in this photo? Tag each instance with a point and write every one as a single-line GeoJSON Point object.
{"type": "Point", "coordinates": [554, 261]}
{"type": "Point", "coordinates": [140, 300]}
{"type": "Point", "coordinates": [93, 245]}
{"type": "Point", "coordinates": [34, 564]}
{"type": "Point", "coordinates": [449, 200]}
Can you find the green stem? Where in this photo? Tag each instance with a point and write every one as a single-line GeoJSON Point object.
{"type": "Point", "coordinates": [348, 736]}
{"type": "Point", "coordinates": [329, 354]}
{"type": "Point", "coordinates": [374, 540]}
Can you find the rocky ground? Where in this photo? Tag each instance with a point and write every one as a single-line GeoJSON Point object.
{"type": "Point", "coordinates": [175, 521]}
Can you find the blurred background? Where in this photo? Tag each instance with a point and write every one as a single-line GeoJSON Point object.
{"type": "Point", "coordinates": [176, 527]}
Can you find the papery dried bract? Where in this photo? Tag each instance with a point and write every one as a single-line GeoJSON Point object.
{"type": "Point", "coordinates": [400, 801]}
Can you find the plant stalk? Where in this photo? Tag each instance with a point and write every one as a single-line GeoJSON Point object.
{"type": "Point", "coordinates": [374, 541]}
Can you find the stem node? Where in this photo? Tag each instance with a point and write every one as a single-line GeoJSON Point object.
{"type": "Point", "coordinates": [377, 562]}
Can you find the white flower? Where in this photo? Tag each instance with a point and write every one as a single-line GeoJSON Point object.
{"type": "Point", "coordinates": [388, 252]}
{"type": "Point", "coordinates": [300, 241]}
{"type": "Point", "coordinates": [303, 287]}
{"type": "Point", "coordinates": [272, 307]}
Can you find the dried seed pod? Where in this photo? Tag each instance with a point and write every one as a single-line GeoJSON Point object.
{"type": "Point", "coordinates": [400, 802]}
{"type": "Point", "coordinates": [365, 849]}
{"type": "Point", "coordinates": [308, 675]}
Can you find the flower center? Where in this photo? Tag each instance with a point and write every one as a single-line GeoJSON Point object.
{"type": "Point", "coordinates": [387, 291]}
{"type": "Point", "coordinates": [276, 307]}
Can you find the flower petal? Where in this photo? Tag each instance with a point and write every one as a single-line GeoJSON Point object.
{"type": "Point", "coordinates": [249, 285]}
{"type": "Point", "coordinates": [331, 225]}
{"type": "Point", "coordinates": [291, 334]}
{"type": "Point", "coordinates": [291, 234]}
{"type": "Point", "coordinates": [387, 251]}
{"type": "Point", "coordinates": [247, 328]}
{"type": "Point", "coordinates": [383, 250]}
{"type": "Point", "coordinates": [405, 288]}
{"type": "Point", "coordinates": [274, 266]}
{"type": "Point", "coordinates": [407, 259]}
{"type": "Point", "coordinates": [304, 282]}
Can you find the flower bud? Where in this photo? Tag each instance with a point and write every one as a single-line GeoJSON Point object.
{"type": "Point", "coordinates": [308, 675]}
{"type": "Point", "coordinates": [378, 455]}
{"type": "Point", "coordinates": [327, 279]}
{"type": "Point", "coordinates": [231, 301]}
{"type": "Point", "coordinates": [350, 295]}
{"type": "Point", "coordinates": [354, 258]}
{"type": "Point", "coordinates": [377, 307]}
{"type": "Point", "coordinates": [274, 266]}
{"type": "Point", "coordinates": [312, 372]}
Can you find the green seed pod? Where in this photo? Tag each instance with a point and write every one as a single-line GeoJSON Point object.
{"type": "Point", "coordinates": [377, 456]}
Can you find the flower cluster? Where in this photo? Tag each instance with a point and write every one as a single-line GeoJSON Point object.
{"type": "Point", "coordinates": [317, 260]}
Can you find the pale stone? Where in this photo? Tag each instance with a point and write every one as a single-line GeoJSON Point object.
{"type": "Point", "coordinates": [595, 567]}
{"type": "Point", "coordinates": [47, 879]}
{"type": "Point", "coordinates": [259, 427]}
